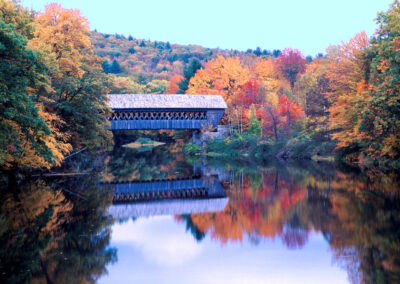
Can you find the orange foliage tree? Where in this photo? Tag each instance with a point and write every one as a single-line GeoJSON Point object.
{"type": "Point", "coordinates": [173, 83]}
{"type": "Point", "coordinates": [224, 76]}
{"type": "Point", "coordinates": [347, 89]}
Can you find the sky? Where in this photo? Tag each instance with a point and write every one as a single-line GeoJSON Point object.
{"type": "Point", "coordinates": [160, 250]}
{"type": "Point", "coordinates": [308, 25]}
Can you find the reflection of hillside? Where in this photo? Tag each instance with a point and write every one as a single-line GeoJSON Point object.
{"type": "Point", "coordinates": [258, 206]}
{"type": "Point", "coordinates": [358, 214]}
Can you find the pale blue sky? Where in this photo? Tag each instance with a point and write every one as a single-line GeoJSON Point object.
{"type": "Point", "coordinates": [160, 250]}
{"type": "Point", "coordinates": [309, 25]}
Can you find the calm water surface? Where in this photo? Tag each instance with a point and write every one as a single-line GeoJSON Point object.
{"type": "Point", "coordinates": [154, 217]}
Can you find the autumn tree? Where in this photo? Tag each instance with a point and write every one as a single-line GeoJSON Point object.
{"type": "Point", "coordinates": [22, 131]}
{"type": "Point", "coordinates": [312, 88]}
{"type": "Point", "coordinates": [267, 73]}
{"type": "Point", "coordinates": [289, 111]}
{"type": "Point", "coordinates": [14, 14]}
{"type": "Point", "coordinates": [347, 92]}
{"type": "Point", "coordinates": [380, 120]}
{"type": "Point", "coordinates": [78, 87]}
{"type": "Point", "coordinates": [291, 63]}
{"type": "Point", "coordinates": [157, 87]}
{"type": "Point", "coordinates": [270, 115]}
{"type": "Point", "coordinates": [249, 94]}
{"type": "Point", "coordinates": [173, 83]}
{"type": "Point", "coordinates": [125, 85]}
{"type": "Point", "coordinates": [224, 76]}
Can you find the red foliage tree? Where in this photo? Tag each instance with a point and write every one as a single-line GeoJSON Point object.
{"type": "Point", "coordinates": [289, 111]}
{"type": "Point", "coordinates": [173, 83]}
{"type": "Point", "coordinates": [291, 63]}
{"type": "Point", "coordinates": [280, 116]}
{"type": "Point", "coordinates": [272, 120]}
{"type": "Point", "coordinates": [249, 94]}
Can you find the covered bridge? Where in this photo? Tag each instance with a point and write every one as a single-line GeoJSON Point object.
{"type": "Point", "coordinates": [145, 111]}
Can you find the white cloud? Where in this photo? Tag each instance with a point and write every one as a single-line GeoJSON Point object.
{"type": "Point", "coordinates": [160, 239]}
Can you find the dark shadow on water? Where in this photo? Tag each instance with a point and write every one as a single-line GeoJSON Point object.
{"type": "Point", "coordinates": [55, 230]}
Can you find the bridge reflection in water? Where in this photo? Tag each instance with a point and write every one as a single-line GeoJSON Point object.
{"type": "Point", "coordinates": [167, 197]}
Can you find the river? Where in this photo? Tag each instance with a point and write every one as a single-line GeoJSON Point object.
{"type": "Point", "coordinates": [154, 216]}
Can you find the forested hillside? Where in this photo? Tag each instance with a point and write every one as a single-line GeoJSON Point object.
{"type": "Point", "coordinates": [145, 61]}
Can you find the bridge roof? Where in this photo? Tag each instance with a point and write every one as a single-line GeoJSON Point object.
{"type": "Point", "coordinates": [165, 101]}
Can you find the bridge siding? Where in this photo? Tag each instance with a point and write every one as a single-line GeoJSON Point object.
{"type": "Point", "coordinates": [157, 124]}
{"type": "Point", "coordinates": [213, 118]}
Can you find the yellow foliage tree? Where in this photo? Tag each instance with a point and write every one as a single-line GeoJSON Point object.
{"type": "Point", "coordinates": [66, 33]}
{"type": "Point", "coordinates": [78, 87]}
{"type": "Point", "coordinates": [223, 76]}
{"type": "Point", "coordinates": [266, 72]}
{"type": "Point", "coordinates": [126, 85]}
{"type": "Point", "coordinates": [348, 93]}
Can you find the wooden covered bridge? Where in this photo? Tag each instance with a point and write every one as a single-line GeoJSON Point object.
{"type": "Point", "coordinates": [136, 111]}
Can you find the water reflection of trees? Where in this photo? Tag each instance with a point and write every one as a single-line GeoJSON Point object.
{"type": "Point", "coordinates": [125, 164]}
{"type": "Point", "coordinates": [54, 231]}
{"type": "Point", "coordinates": [358, 215]}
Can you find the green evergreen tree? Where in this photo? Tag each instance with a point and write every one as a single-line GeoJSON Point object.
{"type": "Point", "coordinates": [115, 68]}
{"type": "Point", "coordinates": [188, 73]}
{"type": "Point", "coordinates": [258, 51]}
{"type": "Point", "coordinates": [106, 66]}
{"type": "Point", "coordinates": [254, 123]}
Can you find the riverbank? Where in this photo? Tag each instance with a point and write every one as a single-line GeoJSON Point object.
{"type": "Point", "coordinates": [245, 146]}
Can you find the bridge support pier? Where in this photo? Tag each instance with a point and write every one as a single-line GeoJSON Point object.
{"type": "Point", "coordinates": [201, 139]}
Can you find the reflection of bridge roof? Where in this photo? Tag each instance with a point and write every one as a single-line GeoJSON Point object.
{"type": "Point", "coordinates": [167, 207]}
{"type": "Point", "coordinates": [141, 101]}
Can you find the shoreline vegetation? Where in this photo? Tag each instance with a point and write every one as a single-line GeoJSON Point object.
{"type": "Point", "coordinates": [245, 146]}
{"type": "Point", "coordinates": [342, 105]}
